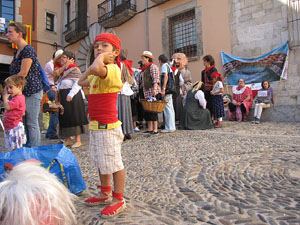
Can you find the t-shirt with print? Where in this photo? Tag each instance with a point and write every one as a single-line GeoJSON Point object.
{"type": "Point", "coordinates": [33, 79]}
{"type": "Point", "coordinates": [217, 87]}
{"type": "Point", "coordinates": [13, 116]}
{"type": "Point", "coordinates": [103, 96]}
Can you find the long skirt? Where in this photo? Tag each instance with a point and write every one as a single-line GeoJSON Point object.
{"type": "Point", "coordinates": [125, 114]}
{"type": "Point", "coordinates": [74, 120]}
{"type": "Point", "coordinates": [217, 106]}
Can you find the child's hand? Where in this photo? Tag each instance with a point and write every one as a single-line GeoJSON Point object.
{"type": "Point", "coordinates": [108, 58]}
{"type": "Point", "coordinates": [5, 94]}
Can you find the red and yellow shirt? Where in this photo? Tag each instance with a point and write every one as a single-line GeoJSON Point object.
{"type": "Point", "coordinates": [102, 99]}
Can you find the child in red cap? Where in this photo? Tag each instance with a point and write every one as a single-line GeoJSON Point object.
{"type": "Point", "coordinates": [104, 79]}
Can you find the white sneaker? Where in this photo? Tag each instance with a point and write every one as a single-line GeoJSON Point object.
{"type": "Point", "coordinates": [167, 131]}
{"type": "Point", "coordinates": [136, 129]}
{"type": "Point", "coordinates": [43, 131]}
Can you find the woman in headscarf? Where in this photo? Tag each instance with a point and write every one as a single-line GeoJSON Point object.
{"type": "Point", "coordinates": [195, 116]}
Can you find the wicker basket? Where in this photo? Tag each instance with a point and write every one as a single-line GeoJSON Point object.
{"type": "Point", "coordinates": [155, 107]}
{"type": "Point", "coordinates": [50, 107]}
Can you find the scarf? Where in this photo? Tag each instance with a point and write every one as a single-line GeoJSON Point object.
{"type": "Point", "coordinates": [128, 64]}
{"type": "Point", "coordinates": [145, 67]}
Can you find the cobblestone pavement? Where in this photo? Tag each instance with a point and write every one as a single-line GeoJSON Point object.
{"type": "Point", "coordinates": [238, 174]}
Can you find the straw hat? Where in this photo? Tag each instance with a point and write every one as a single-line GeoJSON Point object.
{"type": "Point", "coordinates": [57, 55]}
{"type": "Point", "coordinates": [148, 54]}
{"type": "Point", "coordinates": [197, 85]}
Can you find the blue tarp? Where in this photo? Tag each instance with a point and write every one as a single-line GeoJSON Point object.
{"type": "Point", "coordinates": [62, 159]}
{"type": "Point", "coordinates": [270, 66]}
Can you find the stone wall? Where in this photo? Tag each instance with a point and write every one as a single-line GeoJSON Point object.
{"type": "Point", "coordinates": [257, 27]}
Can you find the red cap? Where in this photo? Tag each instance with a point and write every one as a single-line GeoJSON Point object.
{"type": "Point", "coordinates": [215, 75]}
{"type": "Point", "coordinates": [112, 39]}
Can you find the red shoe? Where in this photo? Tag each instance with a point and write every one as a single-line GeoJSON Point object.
{"type": "Point", "coordinates": [111, 211]}
{"type": "Point", "coordinates": [217, 124]}
{"type": "Point", "coordinates": [92, 201]}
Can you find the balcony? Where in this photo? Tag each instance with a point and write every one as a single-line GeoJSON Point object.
{"type": "Point", "coordinates": [76, 29]}
{"type": "Point", "coordinates": [112, 13]}
{"type": "Point", "coordinates": [159, 1]}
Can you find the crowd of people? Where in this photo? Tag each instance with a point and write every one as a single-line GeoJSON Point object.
{"type": "Point", "coordinates": [114, 103]}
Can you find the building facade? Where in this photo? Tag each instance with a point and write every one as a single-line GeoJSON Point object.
{"type": "Point", "coordinates": [19, 11]}
{"type": "Point", "coordinates": [43, 17]}
{"type": "Point", "coordinates": [189, 26]}
{"type": "Point", "coordinates": [246, 29]}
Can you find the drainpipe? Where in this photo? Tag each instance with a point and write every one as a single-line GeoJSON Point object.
{"type": "Point", "coordinates": [33, 15]}
{"type": "Point", "coordinates": [147, 26]}
{"type": "Point", "coordinates": [62, 23]}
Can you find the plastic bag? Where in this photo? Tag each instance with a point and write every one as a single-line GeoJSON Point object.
{"type": "Point", "coordinates": [57, 158]}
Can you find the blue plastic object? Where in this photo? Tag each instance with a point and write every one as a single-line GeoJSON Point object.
{"type": "Point", "coordinates": [59, 159]}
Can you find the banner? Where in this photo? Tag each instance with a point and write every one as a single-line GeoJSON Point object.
{"type": "Point", "coordinates": [28, 37]}
{"type": "Point", "coordinates": [271, 66]}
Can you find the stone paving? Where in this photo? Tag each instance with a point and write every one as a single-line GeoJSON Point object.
{"type": "Point", "coordinates": [238, 174]}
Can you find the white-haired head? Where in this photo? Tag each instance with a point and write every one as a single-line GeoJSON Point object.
{"type": "Point", "coordinates": [30, 195]}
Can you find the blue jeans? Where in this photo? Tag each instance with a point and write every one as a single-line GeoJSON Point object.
{"type": "Point", "coordinates": [169, 113]}
{"type": "Point", "coordinates": [31, 119]}
{"type": "Point", "coordinates": [51, 131]}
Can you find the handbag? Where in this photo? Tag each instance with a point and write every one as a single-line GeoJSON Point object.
{"type": "Point", "coordinates": [170, 88]}
{"type": "Point", "coordinates": [45, 81]}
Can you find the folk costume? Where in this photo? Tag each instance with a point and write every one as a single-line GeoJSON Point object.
{"type": "Point", "coordinates": [177, 99]}
{"type": "Point", "coordinates": [124, 101]}
{"type": "Point", "coordinates": [149, 76]}
{"type": "Point", "coordinates": [217, 99]}
{"type": "Point", "coordinates": [206, 77]}
{"type": "Point", "coordinates": [106, 134]}
{"type": "Point", "coordinates": [239, 95]}
{"type": "Point", "coordinates": [73, 121]}
{"type": "Point", "coordinates": [195, 116]}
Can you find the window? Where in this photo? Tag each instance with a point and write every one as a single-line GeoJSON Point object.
{"type": "Point", "coordinates": [182, 33]}
{"type": "Point", "coordinates": [68, 15]}
{"type": "Point", "coordinates": [7, 10]}
{"type": "Point", "coordinates": [294, 22]}
{"type": "Point", "coordinates": [50, 21]}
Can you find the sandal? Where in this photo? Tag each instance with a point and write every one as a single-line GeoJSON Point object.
{"type": "Point", "coordinates": [111, 211]}
{"type": "Point", "coordinates": [92, 201]}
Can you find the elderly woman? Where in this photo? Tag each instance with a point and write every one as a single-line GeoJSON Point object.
{"type": "Point", "coordinates": [74, 121]}
{"type": "Point", "coordinates": [241, 102]}
{"type": "Point", "coordinates": [25, 63]}
{"type": "Point", "coordinates": [150, 80]}
{"type": "Point", "coordinates": [195, 115]}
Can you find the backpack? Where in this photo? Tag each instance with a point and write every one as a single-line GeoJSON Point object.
{"type": "Point", "coordinates": [170, 88]}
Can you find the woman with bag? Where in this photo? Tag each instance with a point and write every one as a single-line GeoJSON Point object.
{"type": "Point", "coordinates": [25, 63]}
{"type": "Point", "coordinates": [150, 83]}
